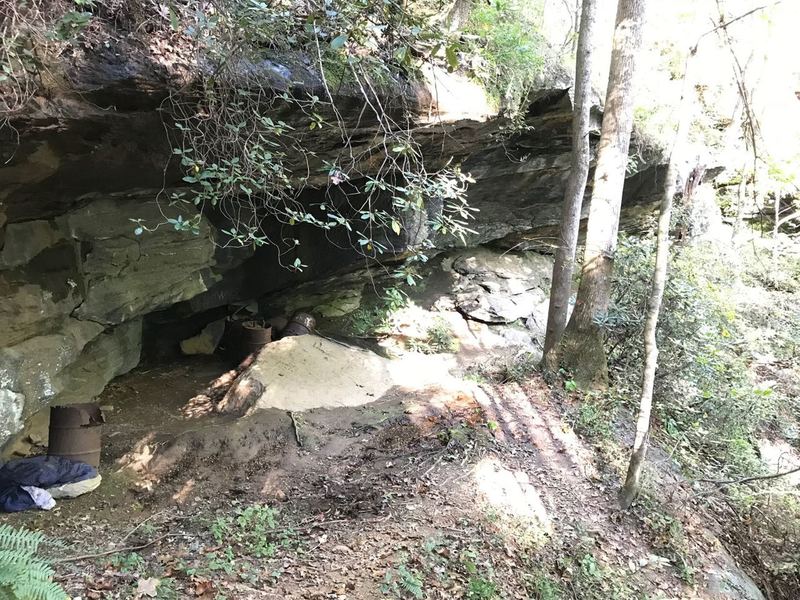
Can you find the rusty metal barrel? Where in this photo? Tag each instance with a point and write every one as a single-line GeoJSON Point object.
{"type": "Point", "coordinates": [243, 338]}
{"type": "Point", "coordinates": [300, 324]}
{"type": "Point", "coordinates": [253, 337]}
{"type": "Point", "coordinates": [76, 432]}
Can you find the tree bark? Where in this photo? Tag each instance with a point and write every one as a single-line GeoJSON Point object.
{"type": "Point", "coordinates": [582, 347]}
{"type": "Point", "coordinates": [564, 264]}
{"type": "Point", "coordinates": [741, 194]}
{"type": "Point", "coordinates": [632, 485]}
{"type": "Point", "coordinates": [633, 480]}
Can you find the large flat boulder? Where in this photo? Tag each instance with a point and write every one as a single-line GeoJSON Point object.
{"type": "Point", "coordinates": [305, 372]}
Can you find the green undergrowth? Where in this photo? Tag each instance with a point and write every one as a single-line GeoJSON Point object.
{"type": "Point", "coordinates": [593, 416]}
{"type": "Point", "coordinates": [507, 49]}
{"type": "Point", "coordinates": [574, 569]}
{"type": "Point", "coordinates": [439, 338]}
{"type": "Point", "coordinates": [709, 400]}
{"type": "Point", "coordinates": [668, 536]}
{"type": "Point", "coordinates": [374, 318]}
{"type": "Point", "coordinates": [441, 562]}
{"type": "Point", "coordinates": [252, 531]}
{"type": "Point", "coordinates": [727, 366]}
{"type": "Point", "coordinates": [243, 545]}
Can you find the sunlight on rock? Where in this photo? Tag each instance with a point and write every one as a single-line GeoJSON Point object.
{"type": "Point", "coordinates": [454, 96]}
{"type": "Point", "coordinates": [411, 321]}
{"type": "Point", "coordinates": [306, 372]}
{"type": "Point", "coordinates": [511, 494]}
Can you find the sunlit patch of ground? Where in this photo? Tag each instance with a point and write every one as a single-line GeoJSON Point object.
{"type": "Point", "coordinates": [518, 504]}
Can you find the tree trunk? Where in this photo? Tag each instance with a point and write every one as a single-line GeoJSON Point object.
{"type": "Point", "coordinates": [633, 480]}
{"type": "Point", "coordinates": [582, 347]}
{"type": "Point", "coordinates": [776, 230]}
{"type": "Point", "coordinates": [564, 265]}
{"type": "Point", "coordinates": [632, 484]}
{"type": "Point", "coordinates": [741, 194]}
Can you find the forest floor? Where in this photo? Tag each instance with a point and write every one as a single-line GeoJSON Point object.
{"type": "Point", "coordinates": [479, 491]}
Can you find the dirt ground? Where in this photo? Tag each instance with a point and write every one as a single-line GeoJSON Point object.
{"type": "Point", "coordinates": [481, 492]}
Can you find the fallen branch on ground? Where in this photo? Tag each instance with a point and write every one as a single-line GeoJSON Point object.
{"type": "Point", "coordinates": [727, 482]}
{"type": "Point", "coordinates": [118, 550]}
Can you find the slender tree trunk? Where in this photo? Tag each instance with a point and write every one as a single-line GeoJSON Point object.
{"type": "Point", "coordinates": [776, 230]}
{"type": "Point", "coordinates": [564, 265]}
{"type": "Point", "coordinates": [741, 196]}
{"type": "Point", "coordinates": [582, 347]}
{"type": "Point", "coordinates": [632, 484]}
{"type": "Point", "coordinates": [633, 480]}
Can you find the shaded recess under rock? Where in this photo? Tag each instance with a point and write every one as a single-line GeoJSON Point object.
{"type": "Point", "coordinates": [81, 295]}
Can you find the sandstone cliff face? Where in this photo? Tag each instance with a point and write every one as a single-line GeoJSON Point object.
{"type": "Point", "coordinates": [80, 164]}
{"type": "Point", "coordinates": [73, 291]}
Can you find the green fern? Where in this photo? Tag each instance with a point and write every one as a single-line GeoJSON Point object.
{"type": "Point", "coordinates": [23, 575]}
{"type": "Point", "coordinates": [403, 582]}
{"type": "Point", "coordinates": [410, 581]}
{"type": "Point", "coordinates": [20, 540]}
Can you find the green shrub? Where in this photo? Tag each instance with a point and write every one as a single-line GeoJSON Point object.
{"type": "Point", "coordinates": [480, 585]}
{"type": "Point", "coordinates": [589, 578]}
{"type": "Point", "coordinates": [481, 588]}
{"type": "Point", "coordinates": [668, 535]}
{"type": "Point", "coordinates": [127, 563]}
{"type": "Point", "coordinates": [593, 416]}
{"type": "Point", "coordinates": [403, 582]}
{"type": "Point", "coordinates": [726, 376]}
{"type": "Point", "coordinates": [706, 397]}
{"type": "Point", "coordinates": [371, 320]}
{"type": "Point", "coordinates": [439, 338]}
{"type": "Point", "coordinates": [544, 586]}
{"type": "Point", "coordinates": [510, 51]}
{"type": "Point", "coordinates": [251, 529]}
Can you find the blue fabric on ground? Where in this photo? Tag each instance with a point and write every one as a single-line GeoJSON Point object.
{"type": "Point", "coordinates": [46, 471]}
{"type": "Point", "coordinates": [13, 498]}
{"type": "Point", "coordinates": [38, 471]}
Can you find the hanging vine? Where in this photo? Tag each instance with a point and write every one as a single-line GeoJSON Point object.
{"type": "Point", "coordinates": [246, 132]}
